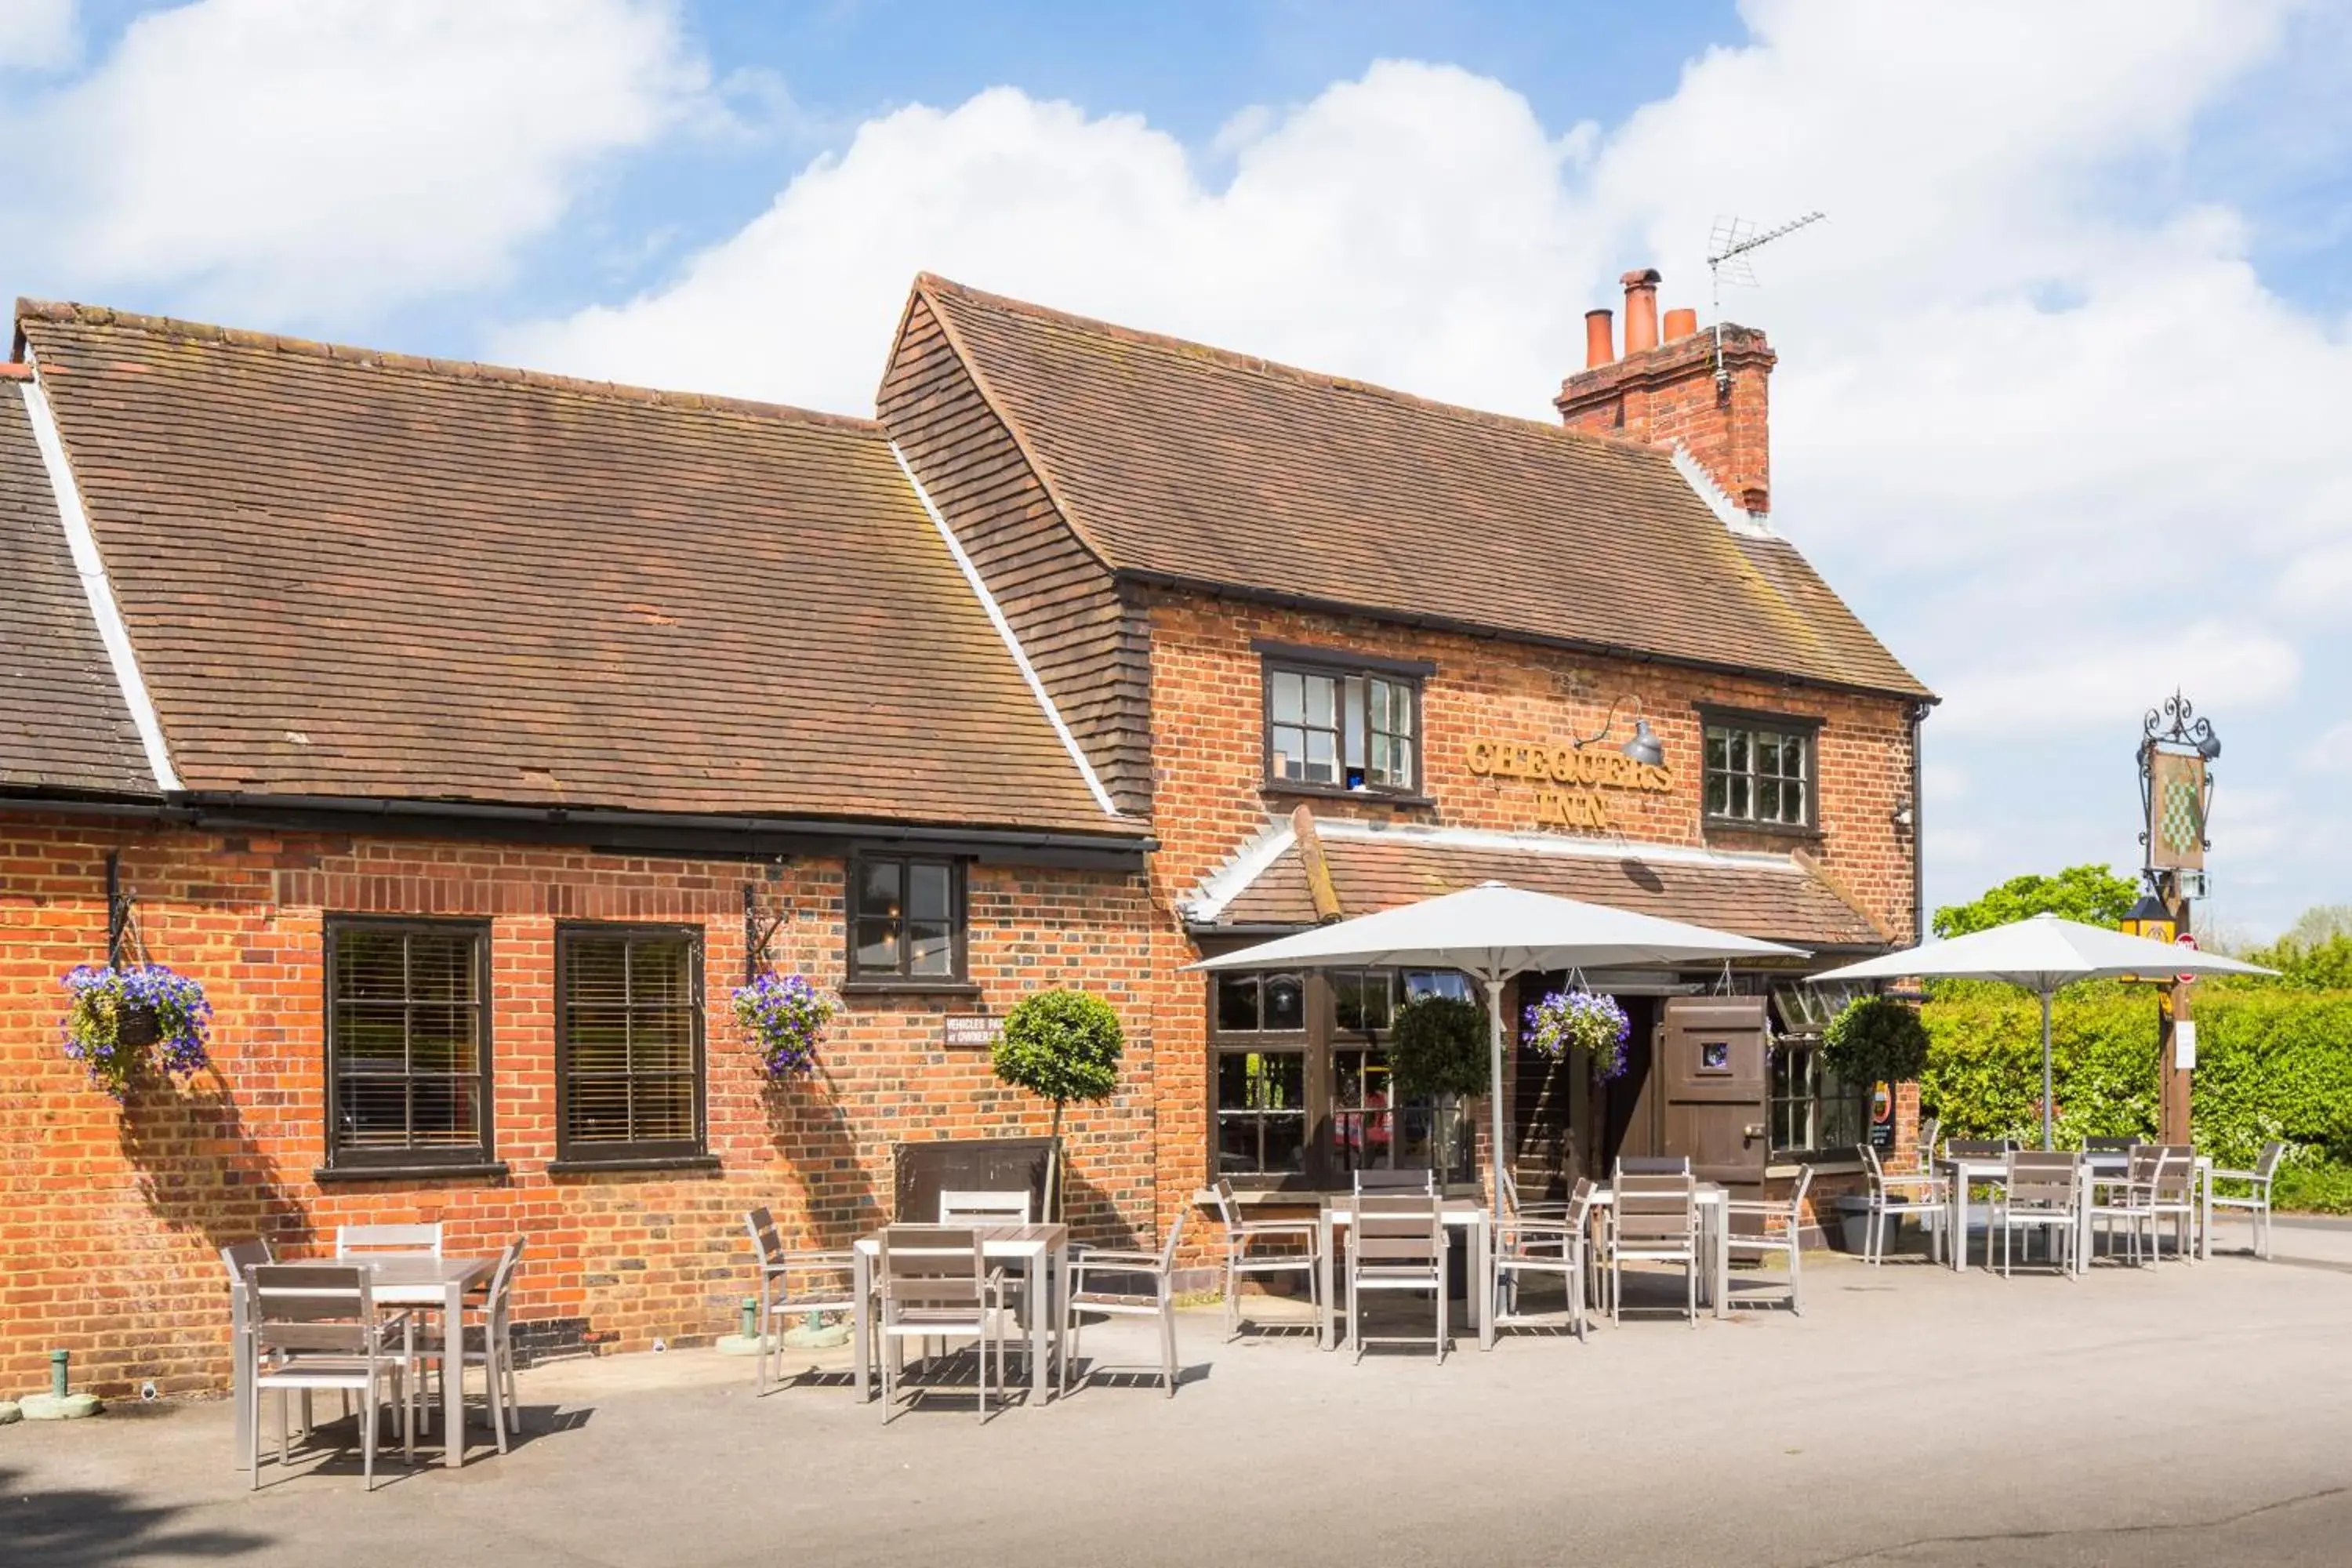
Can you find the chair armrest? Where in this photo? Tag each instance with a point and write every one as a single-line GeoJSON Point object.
{"type": "Point", "coordinates": [1114, 1261]}
{"type": "Point", "coordinates": [2255, 1176]}
{"type": "Point", "coordinates": [1275, 1228]}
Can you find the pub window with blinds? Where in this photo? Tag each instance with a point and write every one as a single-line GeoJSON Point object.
{"type": "Point", "coordinates": [629, 1043]}
{"type": "Point", "coordinates": [407, 1043]}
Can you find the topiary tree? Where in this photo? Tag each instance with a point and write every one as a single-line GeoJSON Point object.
{"type": "Point", "coordinates": [1060, 1046]}
{"type": "Point", "coordinates": [1438, 1045]}
{"type": "Point", "coordinates": [1877, 1040]}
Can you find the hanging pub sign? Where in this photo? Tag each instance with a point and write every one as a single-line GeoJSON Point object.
{"type": "Point", "coordinates": [2176, 811]}
{"type": "Point", "coordinates": [1569, 778]}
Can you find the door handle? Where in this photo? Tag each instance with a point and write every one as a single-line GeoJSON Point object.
{"type": "Point", "coordinates": [1752, 1131]}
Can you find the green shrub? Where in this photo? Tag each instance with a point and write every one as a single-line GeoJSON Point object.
{"type": "Point", "coordinates": [1876, 1039]}
{"type": "Point", "coordinates": [1439, 1045]}
{"type": "Point", "coordinates": [2271, 1063]}
{"type": "Point", "coordinates": [2314, 1189]}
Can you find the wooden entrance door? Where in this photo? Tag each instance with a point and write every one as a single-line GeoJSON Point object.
{"type": "Point", "coordinates": [1708, 1066]}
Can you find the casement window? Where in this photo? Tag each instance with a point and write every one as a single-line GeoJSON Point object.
{"type": "Point", "coordinates": [408, 1043]}
{"type": "Point", "coordinates": [628, 1044]}
{"type": "Point", "coordinates": [1813, 1111]}
{"type": "Point", "coordinates": [1301, 1091]}
{"type": "Point", "coordinates": [1760, 770]}
{"type": "Point", "coordinates": [1336, 725]}
{"type": "Point", "coordinates": [907, 920]}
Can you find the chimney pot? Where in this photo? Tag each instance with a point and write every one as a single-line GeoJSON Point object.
{"type": "Point", "coordinates": [1681, 324]}
{"type": "Point", "coordinates": [1599, 338]}
{"type": "Point", "coordinates": [1641, 309]}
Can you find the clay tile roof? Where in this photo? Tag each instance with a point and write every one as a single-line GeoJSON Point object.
{"type": "Point", "coordinates": [1763, 897]}
{"type": "Point", "coordinates": [1199, 466]}
{"type": "Point", "coordinates": [353, 573]}
{"type": "Point", "coordinates": [63, 725]}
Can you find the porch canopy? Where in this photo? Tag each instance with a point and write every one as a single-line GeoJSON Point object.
{"type": "Point", "coordinates": [1494, 932]}
{"type": "Point", "coordinates": [2042, 953]}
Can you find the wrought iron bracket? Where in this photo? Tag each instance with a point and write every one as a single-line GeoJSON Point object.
{"type": "Point", "coordinates": [759, 931]}
{"type": "Point", "coordinates": [121, 912]}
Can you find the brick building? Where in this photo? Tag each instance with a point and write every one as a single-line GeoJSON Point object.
{"type": "Point", "coordinates": [450, 723]}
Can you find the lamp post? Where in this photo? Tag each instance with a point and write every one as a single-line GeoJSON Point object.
{"type": "Point", "coordinates": [2177, 749]}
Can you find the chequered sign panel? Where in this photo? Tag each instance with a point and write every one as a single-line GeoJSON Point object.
{"type": "Point", "coordinates": [2177, 811]}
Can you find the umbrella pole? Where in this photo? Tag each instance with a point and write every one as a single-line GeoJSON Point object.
{"type": "Point", "coordinates": [2045, 1072]}
{"type": "Point", "coordinates": [1495, 1083]}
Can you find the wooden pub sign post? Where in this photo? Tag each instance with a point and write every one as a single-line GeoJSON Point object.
{"type": "Point", "coordinates": [2177, 749]}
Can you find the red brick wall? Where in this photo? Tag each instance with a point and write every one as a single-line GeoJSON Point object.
{"type": "Point", "coordinates": [109, 1220]}
{"type": "Point", "coordinates": [1209, 797]}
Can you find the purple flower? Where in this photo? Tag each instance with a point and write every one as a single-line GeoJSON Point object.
{"type": "Point", "coordinates": [1582, 1021]}
{"type": "Point", "coordinates": [104, 998]}
{"type": "Point", "coordinates": [784, 1015]}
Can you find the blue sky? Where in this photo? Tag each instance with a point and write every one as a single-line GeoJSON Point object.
{"type": "Point", "coordinates": [2058, 403]}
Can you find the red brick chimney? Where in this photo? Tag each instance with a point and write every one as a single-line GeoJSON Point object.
{"type": "Point", "coordinates": [1673, 393]}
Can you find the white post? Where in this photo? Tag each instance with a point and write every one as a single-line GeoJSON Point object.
{"type": "Point", "coordinates": [2045, 1072]}
{"type": "Point", "coordinates": [1494, 1084]}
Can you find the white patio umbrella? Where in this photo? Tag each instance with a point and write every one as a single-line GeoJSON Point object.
{"type": "Point", "coordinates": [2042, 953]}
{"type": "Point", "coordinates": [1494, 932]}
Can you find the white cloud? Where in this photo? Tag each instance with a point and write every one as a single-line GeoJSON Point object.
{"type": "Point", "coordinates": [2332, 751]}
{"type": "Point", "coordinates": [2318, 582]}
{"type": "Point", "coordinates": [2062, 684]}
{"type": "Point", "coordinates": [37, 35]}
{"type": "Point", "coordinates": [1348, 237]}
{"type": "Point", "coordinates": [292, 161]}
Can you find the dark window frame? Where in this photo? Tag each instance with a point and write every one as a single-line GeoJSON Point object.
{"type": "Point", "coordinates": [476, 1156]}
{"type": "Point", "coordinates": [578, 1154]}
{"type": "Point", "coordinates": [858, 977]}
{"type": "Point", "coordinates": [1816, 1100]}
{"type": "Point", "coordinates": [1341, 665]}
{"type": "Point", "coordinates": [1319, 1041]}
{"type": "Point", "coordinates": [1755, 723]}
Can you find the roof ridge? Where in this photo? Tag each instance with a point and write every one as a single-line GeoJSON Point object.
{"type": "Point", "coordinates": [1259, 365]}
{"type": "Point", "coordinates": [73, 313]}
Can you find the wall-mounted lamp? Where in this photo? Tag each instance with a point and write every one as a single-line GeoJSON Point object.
{"type": "Point", "coordinates": [1644, 746]}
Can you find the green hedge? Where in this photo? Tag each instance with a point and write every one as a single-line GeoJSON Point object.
{"type": "Point", "coordinates": [2270, 1064]}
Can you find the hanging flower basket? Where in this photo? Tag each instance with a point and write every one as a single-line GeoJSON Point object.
{"type": "Point", "coordinates": [130, 1018]}
{"type": "Point", "coordinates": [1580, 1021]}
{"type": "Point", "coordinates": [784, 1016]}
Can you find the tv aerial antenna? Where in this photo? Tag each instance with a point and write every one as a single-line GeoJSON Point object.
{"type": "Point", "coordinates": [1728, 246]}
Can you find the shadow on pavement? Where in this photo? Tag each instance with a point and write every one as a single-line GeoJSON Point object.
{"type": "Point", "coordinates": [83, 1527]}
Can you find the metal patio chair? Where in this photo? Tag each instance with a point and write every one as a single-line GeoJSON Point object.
{"type": "Point", "coordinates": [1895, 1195]}
{"type": "Point", "coordinates": [1922, 1152]}
{"type": "Point", "coordinates": [1396, 1243]}
{"type": "Point", "coordinates": [794, 1284]}
{"type": "Point", "coordinates": [1764, 1241]}
{"type": "Point", "coordinates": [356, 1241]}
{"type": "Point", "coordinates": [2041, 1193]}
{"type": "Point", "coordinates": [934, 1284]}
{"type": "Point", "coordinates": [1297, 1249]}
{"type": "Point", "coordinates": [1540, 1208]}
{"type": "Point", "coordinates": [313, 1326]}
{"type": "Point", "coordinates": [1121, 1298]}
{"type": "Point", "coordinates": [2130, 1197]}
{"type": "Point", "coordinates": [2254, 1203]}
{"type": "Point", "coordinates": [1653, 1218]}
{"type": "Point", "coordinates": [2176, 1200]}
{"type": "Point", "coordinates": [997, 1206]}
{"type": "Point", "coordinates": [488, 1344]}
{"type": "Point", "coordinates": [1552, 1245]}
{"type": "Point", "coordinates": [1652, 1166]}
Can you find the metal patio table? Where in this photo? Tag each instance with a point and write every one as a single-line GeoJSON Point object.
{"type": "Point", "coordinates": [1714, 1220]}
{"type": "Point", "coordinates": [1460, 1214]}
{"type": "Point", "coordinates": [1030, 1245]}
{"type": "Point", "coordinates": [1980, 1170]}
{"type": "Point", "coordinates": [403, 1281]}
